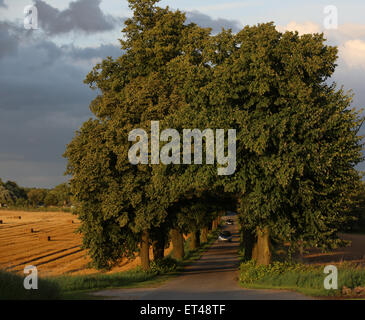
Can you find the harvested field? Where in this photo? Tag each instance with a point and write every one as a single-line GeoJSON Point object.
{"type": "Point", "coordinates": [24, 241]}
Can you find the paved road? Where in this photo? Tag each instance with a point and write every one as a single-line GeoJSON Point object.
{"type": "Point", "coordinates": [213, 277]}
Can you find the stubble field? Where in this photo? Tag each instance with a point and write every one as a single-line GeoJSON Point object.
{"type": "Point", "coordinates": [60, 255]}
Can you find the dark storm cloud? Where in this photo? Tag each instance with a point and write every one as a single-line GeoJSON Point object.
{"type": "Point", "coordinates": [43, 102]}
{"type": "Point", "coordinates": [90, 53]}
{"type": "Point", "coordinates": [206, 21]}
{"type": "Point", "coordinates": [81, 15]}
{"type": "Point", "coordinates": [8, 40]}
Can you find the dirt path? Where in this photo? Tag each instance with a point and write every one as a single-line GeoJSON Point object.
{"type": "Point", "coordinates": [213, 277]}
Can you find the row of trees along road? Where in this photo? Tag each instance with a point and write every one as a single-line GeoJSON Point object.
{"type": "Point", "coordinates": [297, 141]}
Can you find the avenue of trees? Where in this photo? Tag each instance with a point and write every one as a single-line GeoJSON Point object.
{"type": "Point", "coordinates": [297, 142]}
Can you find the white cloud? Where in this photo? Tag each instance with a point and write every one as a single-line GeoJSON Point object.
{"type": "Point", "coordinates": [226, 6]}
{"type": "Point", "coordinates": [353, 53]}
{"type": "Point", "coordinates": [302, 28]}
{"type": "Point", "coordinates": [352, 30]}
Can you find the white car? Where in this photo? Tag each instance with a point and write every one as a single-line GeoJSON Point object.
{"type": "Point", "coordinates": [225, 236]}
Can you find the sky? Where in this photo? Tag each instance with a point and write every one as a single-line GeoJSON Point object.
{"type": "Point", "coordinates": [43, 100]}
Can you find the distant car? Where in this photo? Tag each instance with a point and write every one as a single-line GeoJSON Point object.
{"type": "Point", "coordinates": [225, 236]}
{"type": "Point", "coordinates": [229, 221]}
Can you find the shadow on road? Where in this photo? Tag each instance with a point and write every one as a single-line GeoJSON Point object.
{"type": "Point", "coordinates": [213, 277]}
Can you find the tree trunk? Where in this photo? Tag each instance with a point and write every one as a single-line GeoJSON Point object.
{"type": "Point", "coordinates": [301, 251]}
{"type": "Point", "coordinates": [204, 235]}
{"type": "Point", "coordinates": [248, 244]}
{"type": "Point", "coordinates": [261, 250]}
{"type": "Point", "coordinates": [214, 225]}
{"type": "Point", "coordinates": [159, 248]}
{"type": "Point", "coordinates": [197, 238]}
{"type": "Point", "coordinates": [178, 244]}
{"type": "Point", "coordinates": [145, 251]}
{"type": "Point", "coordinates": [193, 242]}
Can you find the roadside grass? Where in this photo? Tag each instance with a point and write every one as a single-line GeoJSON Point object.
{"type": "Point", "coordinates": [12, 288]}
{"type": "Point", "coordinates": [79, 287]}
{"type": "Point", "coordinates": [76, 287]}
{"type": "Point", "coordinates": [306, 279]}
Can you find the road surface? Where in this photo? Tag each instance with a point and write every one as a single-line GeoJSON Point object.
{"type": "Point", "coordinates": [213, 277]}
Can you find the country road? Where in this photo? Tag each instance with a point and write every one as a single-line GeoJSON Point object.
{"type": "Point", "coordinates": [213, 277]}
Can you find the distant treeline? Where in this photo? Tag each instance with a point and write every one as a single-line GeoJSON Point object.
{"type": "Point", "coordinates": [12, 195]}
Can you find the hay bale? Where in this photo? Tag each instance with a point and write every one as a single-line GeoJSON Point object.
{"type": "Point", "coordinates": [346, 291]}
{"type": "Point", "coordinates": [359, 290]}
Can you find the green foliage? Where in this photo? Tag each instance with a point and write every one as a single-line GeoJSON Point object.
{"type": "Point", "coordinates": [18, 192]}
{"type": "Point", "coordinates": [358, 212]}
{"type": "Point", "coordinates": [165, 265]}
{"type": "Point", "coordinates": [17, 197]}
{"type": "Point", "coordinates": [36, 197]}
{"type": "Point", "coordinates": [6, 197]}
{"type": "Point", "coordinates": [58, 196]}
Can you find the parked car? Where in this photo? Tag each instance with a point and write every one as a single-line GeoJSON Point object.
{"type": "Point", "coordinates": [229, 221]}
{"type": "Point", "coordinates": [225, 236]}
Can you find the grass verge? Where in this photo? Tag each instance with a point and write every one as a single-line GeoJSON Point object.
{"type": "Point", "coordinates": [306, 279]}
{"type": "Point", "coordinates": [12, 288]}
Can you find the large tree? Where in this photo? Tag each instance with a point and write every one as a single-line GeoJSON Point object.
{"type": "Point", "coordinates": [119, 205]}
{"type": "Point", "coordinates": [297, 138]}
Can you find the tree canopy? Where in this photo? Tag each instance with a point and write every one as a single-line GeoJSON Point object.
{"type": "Point", "coordinates": [297, 142]}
